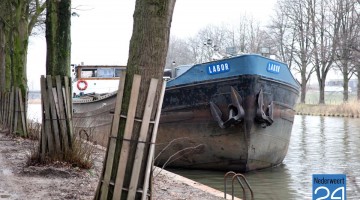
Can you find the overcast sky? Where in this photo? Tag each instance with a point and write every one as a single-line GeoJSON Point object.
{"type": "Point", "coordinates": [101, 33]}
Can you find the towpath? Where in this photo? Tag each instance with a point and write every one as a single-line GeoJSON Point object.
{"type": "Point", "coordinates": [60, 181]}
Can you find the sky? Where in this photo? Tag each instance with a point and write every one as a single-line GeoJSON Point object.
{"type": "Point", "coordinates": [102, 31]}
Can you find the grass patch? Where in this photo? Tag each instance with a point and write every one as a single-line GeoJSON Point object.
{"type": "Point", "coordinates": [347, 109]}
{"type": "Point", "coordinates": [333, 98]}
{"type": "Point", "coordinates": [33, 130]}
{"type": "Point", "coordinates": [80, 154]}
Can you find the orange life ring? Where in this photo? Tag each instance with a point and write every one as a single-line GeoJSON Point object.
{"type": "Point", "coordinates": [82, 85]}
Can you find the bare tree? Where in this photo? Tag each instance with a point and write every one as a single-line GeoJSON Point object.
{"type": "Point", "coordinates": [247, 37]}
{"type": "Point", "coordinates": [291, 29]}
{"type": "Point", "coordinates": [19, 18]}
{"type": "Point", "coordinates": [256, 37]}
{"type": "Point", "coordinates": [325, 24]}
{"type": "Point", "coordinates": [348, 33]}
{"type": "Point", "coordinates": [281, 35]}
{"type": "Point", "coordinates": [207, 42]}
{"type": "Point", "coordinates": [355, 47]}
{"type": "Point", "coordinates": [147, 55]}
{"type": "Point", "coordinates": [356, 62]}
{"type": "Point", "coordinates": [241, 35]}
{"type": "Point", "coordinates": [214, 42]}
{"type": "Point", "coordinates": [179, 53]}
{"type": "Point", "coordinates": [197, 49]}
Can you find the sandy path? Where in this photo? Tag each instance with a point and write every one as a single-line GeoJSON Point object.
{"type": "Point", "coordinates": [59, 181]}
{"type": "Point", "coordinates": [20, 182]}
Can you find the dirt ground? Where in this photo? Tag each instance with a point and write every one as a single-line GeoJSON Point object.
{"type": "Point", "coordinates": [60, 181]}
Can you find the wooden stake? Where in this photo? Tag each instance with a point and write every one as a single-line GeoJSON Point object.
{"type": "Point", "coordinates": [54, 119]}
{"type": "Point", "coordinates": [142, 139]}
{"type": "Point", "coordinates": [149, 163]}
{"type": "Point", "coordinates": [61, 111]}
{"type": "Point", "coordinates": [112, 141]}
{"type": "Point", "coordinates": [11, 109]}
{"type": "Point", "coordinates": [22, 113]}
{"type": "Point", "coordinates": [16, 112]}
{"type": "Point", "coordinates": [69, 111]}
{"type": "Point", "coordinates": [127, 137]}
{"type": "Point", "coordinates": [46, 116]}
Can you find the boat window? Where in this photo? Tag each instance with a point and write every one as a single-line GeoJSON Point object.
{"type": "Point", "coordinates": [118, 72]}
{"type": "Point", "coordinates": [88, 73]}
{"type": "Point", "coordinates": [105, 73]}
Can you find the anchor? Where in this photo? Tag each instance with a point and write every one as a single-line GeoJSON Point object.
{"type": "Point", "coordinates": [236, 111]}
{"type": "Point", "coordinates": [261, 116]}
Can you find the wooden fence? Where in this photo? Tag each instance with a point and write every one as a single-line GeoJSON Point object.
{"type": "Point", "coordinates": [56, 131]}
{"type": "Point", "coordinates": [12, 112]}
{"type": "Point", "coordinates": [117, 185]}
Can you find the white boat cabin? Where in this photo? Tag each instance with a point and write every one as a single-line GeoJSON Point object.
{"type": "Point", "coordinates": [99, 79]}
{"type": "Point", "coordinates": [95, 79]}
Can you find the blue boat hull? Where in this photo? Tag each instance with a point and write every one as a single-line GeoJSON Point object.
{"type": "Point", "coordinates": [198, 142]}
{"type": "Point", "coordinates": [234, 114]}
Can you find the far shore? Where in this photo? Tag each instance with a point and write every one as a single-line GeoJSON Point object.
{"type": "Point", "coordinates": [348, 109]}
{"type": "Point", "coordinates": [34, 101]}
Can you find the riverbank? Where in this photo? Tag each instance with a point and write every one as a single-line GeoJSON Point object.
{"type": "Point", "coordinates": [348, 109]}
{"type": "Point", "coordinates": [61, 181]}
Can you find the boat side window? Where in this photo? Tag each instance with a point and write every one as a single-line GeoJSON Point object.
{"type": "Point", "coordinates": [105, 72]}
{"type": "Point", "coordinates": [118, 72]}
{"type": "Point", "coordinates": [88, 73]}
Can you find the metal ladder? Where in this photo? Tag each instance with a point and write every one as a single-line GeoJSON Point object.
{"type": "Point", "coordinates": [239, 177]}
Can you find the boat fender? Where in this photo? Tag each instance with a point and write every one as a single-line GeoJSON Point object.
{"type": "Point", "coordinates": [82, 85]}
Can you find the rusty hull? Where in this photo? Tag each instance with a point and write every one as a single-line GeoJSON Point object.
{"type": "Point", "coordinates": [198, 142]}
{"type": "Point", "coordinates": [188, 135]}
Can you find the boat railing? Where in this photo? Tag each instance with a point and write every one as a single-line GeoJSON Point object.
{"type": "Point", "coordinates": [241, 180]}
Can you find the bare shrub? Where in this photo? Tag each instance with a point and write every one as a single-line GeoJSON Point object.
{"type": "Point", "coordinates": [33, 129]}
{"type": "Point", "coordinates": [176, 155]}
{"type": "Point", "coordinates": [79, 155]}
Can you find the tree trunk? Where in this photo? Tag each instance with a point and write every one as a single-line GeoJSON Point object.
{"type": "Point", "coordinates": [57, 65]}
{"type": "Point", "coordinates": [322, 91]}
{"type": "Point", "coordinates": [2, 56]}
{"type": "Point", "coordinates": [346, 90]}
{"type": "Point", "coordinates": [303, 87]}
{"type": "Point", "coordinates": [18, 43]}
{"type": "Point", "coordinates": [58, 38]}
{"type": "Point", "coordinates": [345, 81]}
{"type": "Point", "coordinates": [358, 83]}
{"type": "Point", "coordinates": [324, 40]}
{"type": "Point", "coordinates": [19, 58]}
{"type": "Point", "coordinates": [147, 56]}
{"type": "Point", "coordinates": [18, 21]}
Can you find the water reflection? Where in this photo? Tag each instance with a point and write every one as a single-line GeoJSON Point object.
{"type": "Point", "coordinates": [319, 145]}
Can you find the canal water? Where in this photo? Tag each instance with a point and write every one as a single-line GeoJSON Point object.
{"type": "Point", "coordinates": [319, 145]}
